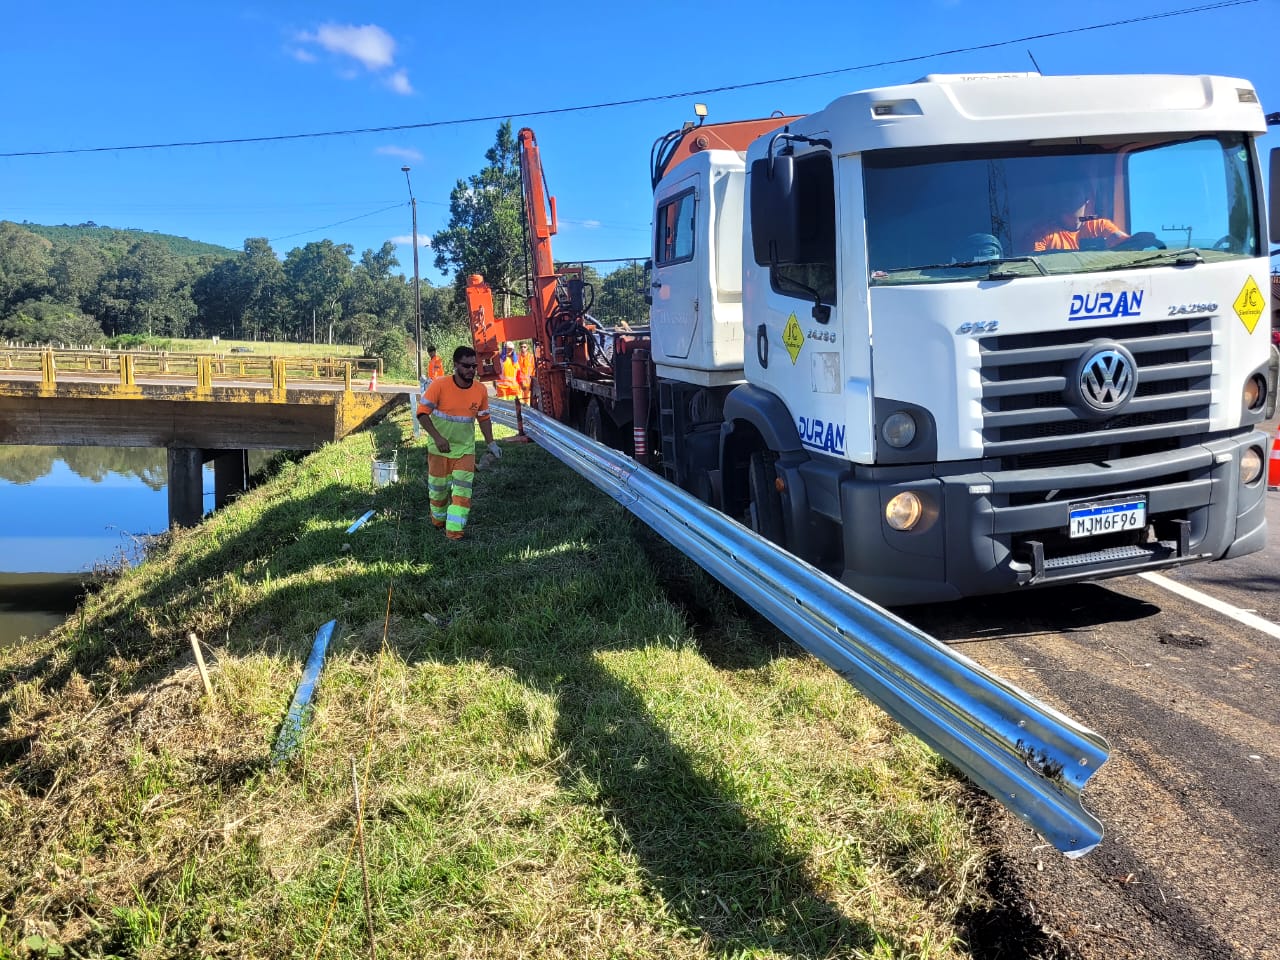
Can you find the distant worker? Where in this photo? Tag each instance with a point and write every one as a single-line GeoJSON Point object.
{"type": "Point", "coordinates": [1069, 227]}
{"type": "Point", "coordinates": [524, 372]}
{"type": "Point", "coordinates": [435, 365]}
{"type": "Point", "coordinates": [505, 367]}
{"type": "Point", "coordinates": [449, 412]}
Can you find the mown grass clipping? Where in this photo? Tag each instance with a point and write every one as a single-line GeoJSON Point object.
{"type": "Point", "coordinates": [573, 744]}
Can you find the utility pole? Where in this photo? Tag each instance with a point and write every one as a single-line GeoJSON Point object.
{"type": "Point", "coordinates": [417, 292]}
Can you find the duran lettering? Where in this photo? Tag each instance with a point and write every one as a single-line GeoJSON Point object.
{"type": "Point", "coordinates": [1106, 305]}
{"type": "Point", "coordinates": [814, 432]}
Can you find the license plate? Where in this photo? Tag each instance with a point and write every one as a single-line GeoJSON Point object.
{"type": "Point", "coordinates": [1108, 516]}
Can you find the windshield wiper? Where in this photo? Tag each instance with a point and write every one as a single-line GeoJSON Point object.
{"type": "Point", "coordinates": [1186, 257]}
{"type": "Point", "coordinates": [992, 262]}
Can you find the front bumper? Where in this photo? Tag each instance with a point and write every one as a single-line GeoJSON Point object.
{"type": "Point", "coordinates": [989, 531]}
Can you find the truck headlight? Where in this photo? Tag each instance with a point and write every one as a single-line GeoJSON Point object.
{"type": "Point", "coordinates": [1255, 392]}
{"type": "Point", "coordinates": [1251, 465]}
{"type": "Point", "coordinates": [899, 429]}
{"type": "Point", "coordinates": [904, 511]}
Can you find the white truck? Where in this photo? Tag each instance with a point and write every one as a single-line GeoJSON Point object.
{"type": "Point", "coordinates": [961, 336]}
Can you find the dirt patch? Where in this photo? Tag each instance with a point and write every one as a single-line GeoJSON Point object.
{"type": "Point", "coordinates": [1010, 926]}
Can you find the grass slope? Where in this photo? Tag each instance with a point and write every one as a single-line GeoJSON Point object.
{"type": "Point", "coordinates": [560, 759]}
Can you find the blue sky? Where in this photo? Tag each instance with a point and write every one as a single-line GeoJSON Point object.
{"type": "Point", "coordinates": [86, 75]}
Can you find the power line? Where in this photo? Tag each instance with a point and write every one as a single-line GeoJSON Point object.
{"type": "Point", "coordinates": [396, 128]}
{"type": "Point", "coordinates": [289, 236]}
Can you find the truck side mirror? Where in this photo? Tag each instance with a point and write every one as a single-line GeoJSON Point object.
{"type": "Point", "coordinates": [648, 281]}
{"type": "Point", "coordinates": [1273, 205]}
{"type": "Point", "coordinates": [775, 234]}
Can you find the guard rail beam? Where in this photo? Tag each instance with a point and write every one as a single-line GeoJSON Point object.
{"type": "Point", "coordinates": [1032, 759]}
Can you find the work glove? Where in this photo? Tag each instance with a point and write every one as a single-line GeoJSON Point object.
{"type": "Point", "coordinates": [495, 449]}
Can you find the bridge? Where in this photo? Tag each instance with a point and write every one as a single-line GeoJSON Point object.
{"type": "Point", "coordinates": [200, 407]}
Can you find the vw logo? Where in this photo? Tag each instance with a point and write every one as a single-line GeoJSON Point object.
{"type": "Point", "coordinates": [1105, 380]}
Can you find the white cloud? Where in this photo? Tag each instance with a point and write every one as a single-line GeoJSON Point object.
{"type": "Point", "coordinates": [404, 153]}
{"type": "Point", "coordinates": [406, 240]}
{"type": "Point", "coordinates": [591, 224]}
{"type": "Point", "coordinates": [369, 46]}
{"type": "Point", "coordinates": [399, 82]}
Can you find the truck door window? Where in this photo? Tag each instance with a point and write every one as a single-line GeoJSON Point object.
{"type": "Point", "coordinates": [815, 197]}
{"type": "Point", "coordinates": [675, 222]}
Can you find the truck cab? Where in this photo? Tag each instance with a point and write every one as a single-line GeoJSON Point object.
{"type": "Point", "coordinates": [975, 334]}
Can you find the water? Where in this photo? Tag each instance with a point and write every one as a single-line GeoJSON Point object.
{"type": "Point", "coordinates": [31, 604]}
{"type": "Point", "coordinates": [65, 511]}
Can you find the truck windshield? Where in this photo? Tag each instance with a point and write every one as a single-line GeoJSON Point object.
{"type": "Point", "coordinates": [1000, 212]}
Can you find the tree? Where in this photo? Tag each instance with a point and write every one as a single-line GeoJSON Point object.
{"type": "Point", "coordinates": [484, 234]}
{"type": "Point", "coordinates": [40, 321]}
{"type": "Point", "coordinates": [442, 315]}
{"type": "Point", "coordinates": [374, 289]}
{"type": "Point", "coordinates": [318, 276]}
{"type": "Point", "coordinates": [148, 292]}
{"type": "Point", "coordinates": [24, 265]}
{"type": "Point", "coordinates": [76, 272]}
{"type": "Point", "coordinates": [219, 299]}
{"type": "Point", "coordinates": [620, 296]}
{"type": "Point", "coordinates": [262, 284]}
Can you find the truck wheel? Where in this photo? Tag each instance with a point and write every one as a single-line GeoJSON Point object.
{"type": "Point", "coordinates": [596, 425]}
{"type": "Point", "coordinates": [764, 503]}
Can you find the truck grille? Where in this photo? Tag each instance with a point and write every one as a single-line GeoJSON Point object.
{"type": "Point", "coordinates": [1027, 413]}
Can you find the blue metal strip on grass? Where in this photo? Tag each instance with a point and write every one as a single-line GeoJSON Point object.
{"type": "Point", "coordinates": [291, 730]}
{"type": "Point", "coordinates": [361, 522]}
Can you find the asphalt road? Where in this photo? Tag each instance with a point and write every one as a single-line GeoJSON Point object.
{"type": "Point", "coordinates": [1189, 700]}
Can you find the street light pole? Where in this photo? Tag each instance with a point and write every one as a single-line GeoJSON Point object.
{"type": "Point", "coordinates": [417, 291]}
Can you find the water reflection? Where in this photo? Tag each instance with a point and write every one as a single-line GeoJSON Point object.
{"type": "Point", "coordinates": [67, 511]}
{"type": "Point", "coordinates": [23, 465]}
{"type": "Point", "coordinates": [32, 604]}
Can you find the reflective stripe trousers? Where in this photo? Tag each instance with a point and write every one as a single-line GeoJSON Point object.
{"type": "Point", "coordinates": [449, 481]}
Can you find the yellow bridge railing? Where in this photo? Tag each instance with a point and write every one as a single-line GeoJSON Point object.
{"type": "Point", "coordinates": [126, 367]}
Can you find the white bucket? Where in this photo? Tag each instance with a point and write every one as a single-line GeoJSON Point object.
{"type": "Point", "coordinates": [385, 472]}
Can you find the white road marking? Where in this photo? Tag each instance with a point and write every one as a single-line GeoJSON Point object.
{"type": "Point", "coordinates": [1213, 603]}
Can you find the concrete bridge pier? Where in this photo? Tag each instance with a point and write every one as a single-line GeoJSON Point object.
{"type": "Point", "coordinates": [186, 486]}
{"type": "Point", "coordinates": [230, 475]}
{"type": "Point", "coordinates": [186, 481]}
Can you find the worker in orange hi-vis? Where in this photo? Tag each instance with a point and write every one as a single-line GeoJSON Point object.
{"type": "Point", "coordinates": [505, 367]}
{"type": "Point", "coordinates": [1069, 226]}
{"type": "Point", "coordinates": [524, 372]}
{"type": "Point", "coordinates": [449, 412]}
{"type": "Point", "coordinates": [435, 365]}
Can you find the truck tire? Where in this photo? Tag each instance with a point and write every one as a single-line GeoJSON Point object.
{"type": "Point", "coordinates": [596, 425]}
{"type": "Point", "coordinates": [764, 503]}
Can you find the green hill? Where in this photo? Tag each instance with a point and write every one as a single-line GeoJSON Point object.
{"type": "Point", "coordinates": [117, 241]}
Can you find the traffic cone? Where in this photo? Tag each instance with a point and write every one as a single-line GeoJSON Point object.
{"type": "Point", "coordinates": [1273, 467]}
{"type": "Point", "coordinates": [373, 381]}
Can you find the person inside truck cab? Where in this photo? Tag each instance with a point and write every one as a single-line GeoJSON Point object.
{"type": "Point", "coordinates": [1068, 225]}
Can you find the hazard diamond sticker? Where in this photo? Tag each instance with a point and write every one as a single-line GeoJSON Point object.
{"type": "Point", "coordinates": [1250, 304]}
{"type": "Point", "coordinates": [793, 337]}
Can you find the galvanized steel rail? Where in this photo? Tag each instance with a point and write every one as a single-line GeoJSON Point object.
{"type": "Point", "coordinates": [1028, 756]}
